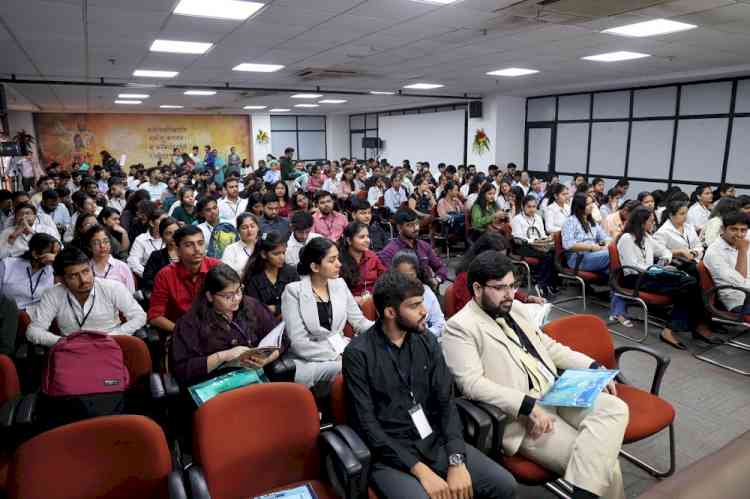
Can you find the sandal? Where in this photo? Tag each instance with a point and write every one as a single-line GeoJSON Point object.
{"type": "Point", "coordinates": [622, 320]}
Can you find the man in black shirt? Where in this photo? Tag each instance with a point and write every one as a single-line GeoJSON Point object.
{"type": "Point", "coordinates": [399, 391]}
{"type": "Point", "coordinates": [362, 213]}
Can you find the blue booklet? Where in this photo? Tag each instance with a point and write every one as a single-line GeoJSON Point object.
{"type": "Point", "coordinates": [203, 392]}
{"type": "Point", "coordinates": [301, 492]}
{"type": "Point", "coordinates": [578, 387]}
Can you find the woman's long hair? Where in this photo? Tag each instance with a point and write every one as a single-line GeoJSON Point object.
{"type": "Point", "coordinates": [635, 225]}
{"type": "Point", "coordinates": [489, 241]}
{"type": "Point", "coordinates": [313, 252]}
{"type": "Point", "coordinates": [482, 196]}
{"type": "Point", "coordinates": [671, 210]}
{"type": "Point", "coordinates": [553, 191]}
{"type": "Point", "coordinates": [217, 279]}
{"type": "Point", "coordinates": [349, 267]}
{"type": "Point", "coordinates": [578, 210]}
{"type": "Point", "coordinates": [268, 241]}
{"type": "Point", "coordinates": [135, 198]}
{"type": "Point", "coordinates": [697, 192]}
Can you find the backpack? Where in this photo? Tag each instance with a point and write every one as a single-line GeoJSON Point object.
{"type": "Point", "coordinates": [222, 236]}
{"type": "Point", "coordinates": [85, 376]}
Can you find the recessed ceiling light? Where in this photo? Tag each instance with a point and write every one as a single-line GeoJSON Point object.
{"type": "Point", "coordinates": [306, 96]}
{"type": "Point", "coordinates": [424, 86]}
{"type": "Point", "coordinates": [306, 105]}
{"type": "Point", "coordinates": [257, 68]}
{"type": "Point", "coordinates": [170, 106]}
{"type": "Point", "coordinates": [381, 92]}
{"type": "Point", "coordinates": [128, 102]}
{"type": "Point", "coordinates": [622, 55]}
{"type": "Point", "coordinates": [178, 47]}
{"type": "Point", "coordinates": [650, 28]}
{"type": "Point", "coordinates": [142, 85]}
{"type": "Point", "coordinates": [154, 73]}
{"type": "Point", "coordinates": [278, 110]}
{"type": "Point", "coordinates": [132, 96]}
{"type": "Point", "coordinates": [254, 107]}
{"type": "Point", "coordinates": [512, 72]}
{"type": "Point", "coordinates": [200, 92]}
{"type": "Point", "coordinates": [218, 9]}
{"type": "Point", "coordinates": [331, 101]}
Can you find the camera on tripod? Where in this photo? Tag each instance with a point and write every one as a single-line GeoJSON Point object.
{"type": "Point", "coordinates": [10, 149]}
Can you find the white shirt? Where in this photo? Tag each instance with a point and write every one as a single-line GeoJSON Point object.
{"type": "Point", "coordinates": [100, 312]}
{"type": "Point", "coordinates": [141, 249]}
{"type": "Point", "coordinates": [673, 239]}
{"type": "Point", "coordinates": [117, 203]}
{"type": "Point", "coordinates": [720, 260]}
{"type": "Point", "coordinates": [228, 210]}
{"type": "Point", "coordinates": [464, 190]}
{"type": "Point", "coordinates": [373, 195]}
{"type": "Point", "coordinates": [698, 215]}
{"type": "Point", "coordinates": [18, 283]}
{"type": "Point", "coordinates": [641, 258]}
{"type": "Point", "coordinates": [21, 243]}
{"type": "Point", "coordinates": [236, 256]}
{"type": "Point", "coordinates": [555, 216]}
{"type": "Point", "coordinates": [207, 229]}
{"type": "Point", "coordinates": [712, 230]}
{"type": "Point", "coordinates": [502, 203]}
{"type": "Point", "coordinates": [528, 229]}
{"type": "Point", "coordinates": [293, 247]}
{"type": "Point", "coordinates": [155, 191]}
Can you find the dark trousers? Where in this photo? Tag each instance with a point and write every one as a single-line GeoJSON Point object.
{"type": "Point", "coordinates": [687, 311]}
{"type": "Point", "coordinates": [8, 325]}
{"type": "Point", "coordinates": [546, 269]}
{"type": "Point", "coordinates": [489, 479]}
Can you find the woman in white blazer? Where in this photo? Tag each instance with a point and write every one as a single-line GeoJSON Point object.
{"type": "Point", "coordinates": [316, 310]}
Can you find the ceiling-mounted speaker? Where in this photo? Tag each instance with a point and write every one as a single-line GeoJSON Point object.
{"type": "Point", "coordinates": [475, 109]}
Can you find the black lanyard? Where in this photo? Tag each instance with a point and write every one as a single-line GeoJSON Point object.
{"type": "Point", "coordinates": [404, 379]}
{"type": "Point", "coordinates": [151, 241]}
{"type": "Point", "coordinates": [84, 316]}
{"type": "Point", "coordinates": [33, 288]}
{"type": "Point", "coordinates": [109, 267]}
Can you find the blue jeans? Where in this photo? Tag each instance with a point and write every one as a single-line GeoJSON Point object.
{"type": "Point", "coordinates": [598, 261]}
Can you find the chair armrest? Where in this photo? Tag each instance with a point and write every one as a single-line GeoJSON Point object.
{"type": "Point", "coordinates": [176, 486]}
{"type": "Point", "coordinates": [282, 369]}
{"type": "Point", "coordinates": [359, 449]}
{"type": "Point", "coordinates": [343, 468]}
{"type": "Point", "coordinates": [22, 352]}
{"type": "Point", "coordinates": [197, 483]}
{"type": "Point", "coordinates": [156, 386]}
{"type": "Point", "coordinates": [614, 280]}
{"type": "Point", "coordinates": [147, 334]}
{"type": "Point", "coordinates": [662, 362]}
{"type": "Point", "coordinates": [707, 298]}
{"type": "Point", "coordinates": [8, 412]}
{"type": "Point", "coordinates": [477, 424]}
{"type": "Point", "coordinates": [171, 387]}
{"type": "Point", "coordinates": [26, 409]}
{"type": "Point", "coordinates": [499, 420]}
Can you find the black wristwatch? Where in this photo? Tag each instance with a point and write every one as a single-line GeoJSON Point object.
{"type": "Point", "coordinates": [456, 459]}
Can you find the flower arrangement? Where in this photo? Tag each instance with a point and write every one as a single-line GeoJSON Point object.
{"type": "Point", "coordinates": [481, 142]}
{"type": "Point", "coordinates": [261, 137]}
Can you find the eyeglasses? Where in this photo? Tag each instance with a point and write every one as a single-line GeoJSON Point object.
{"type": "Point", "coordinates": [232, 295]}
{"type": "Point", "coordinates": [100, 244]}
{"type": "Point", "coordinates": [512, 287]}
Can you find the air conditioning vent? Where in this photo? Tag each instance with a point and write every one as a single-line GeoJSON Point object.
{"type": "Point", "coordinates": [311, 74]}
{"type": "Point", "coordinates": [563, 11]}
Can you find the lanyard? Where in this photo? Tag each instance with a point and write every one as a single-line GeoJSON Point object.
{"type": "Point", "coordinates": [33, 288]}
{"type": "Point", "coordinates": [406, 381]}
{"type": "Point", "coordinates": [109, 267]}
{"type": "Point", "coordinates": [151, 242]}
{"type": "Point", "coordinates": [246, 253]}
{"type": "Point", "coordinates": [86, 315]}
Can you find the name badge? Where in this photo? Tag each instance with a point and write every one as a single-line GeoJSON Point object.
{"type": "Point", "coordinates": [338, 343]}
{"type": "Point", "coordinates": [420, 421]}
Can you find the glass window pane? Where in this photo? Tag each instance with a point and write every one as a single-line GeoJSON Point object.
{"type": "Point", "coordinates": [742, 105]}
{"type": "Point", "coordinates": [312, 122]}
{"type": "Point", "coordinates": [572, 145]}
{"type": "Point", "coordinates": [699, 152]}
{"type": "Point", "coordinates": [372, 121]}
{"type": "Point", "coordinates": [737, 167]}
{"type": "Point", "coordinates": [282, 140]}
{"type": "Point", "coordinates": [539, 147]}
{"type": "Point", "coordinates": [573, 107]}
{"type": "Point", "coordinates": [541, 109]}
{"type": "Point", "coordinates": [283, 122]}
{"type": "Point", "coordinates": [312, 145]}
{"type": "Point", "coordinates": [612, 105]}
{"type": "Point", "coordinates": [650, 149]}
{"type": "Point", "coordinates": [356, 145]}
{"type": "Point", "coordinates": [608, 147]}
{"type": "Point", "coordinates": [357, 122]}
{"type": "Point", "coordinates": [660, 101]}
{"type": "Point", "coordinates": [706, 98]}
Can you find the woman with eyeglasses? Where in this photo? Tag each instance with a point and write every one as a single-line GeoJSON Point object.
{"type": "Point", "coordinates": [97, 246]}
{"type": "Point", "coordinates": [219, 330]}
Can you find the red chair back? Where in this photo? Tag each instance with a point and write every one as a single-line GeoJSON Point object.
{"type": "Point", "coordinates": [369, 310]}
{"type": "Point", "coordinates": [614, 258]}
{"type": "Point", "coordinates": [257, 438]}
{"type": "Point", "coordinates": [362, 195]}
{"type": "Point", "coordinates": [587, 334]}
{"type": "Point", "coordinates": [136, 356]}
{"type": "Point", "coordinates": [449, 302]}
{"type": "Point", "coordinates": [10, 388]}
{"type": "Point", "coordinates": [338, 400]}
{"type": "Point", "coordinates": [559, 250]}
{"type": "Point", "coordinates": [111, 457]}
{"type": "Point", "coordinates": [706, 282]}
{"type": "Point", "coordinates": [23, 324]}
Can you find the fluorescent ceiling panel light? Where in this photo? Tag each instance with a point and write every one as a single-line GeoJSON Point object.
{"type": "Point", "coordinates": [424, 86]}
{"type": "Point", "coordinates": [200, 92]}
{"type": "Point", "coordinates": [132, 96]}
{"type": "Point", "coordinates": [278, 110]}
{"type": "Point", "coordinates": [257, 68]}
{"type": "Point", "coordinates": [512, 72]}
{"type": "Point", "coordinates": [650, 28]}
{"type": "Point", "coordinates": [622, 55]}
{"type": "Point", "coordinates": [331, 101]}
{"type": "Point", "coordinates": [381, 92]}
{"type": "Point", "coordinates": [178, 47]}
{"type": "Point", "coordinates": [154, 73]}
{"type": "Point", "coordinates": [170, 106]}
{"type": "Point", "coordinates": [254, 107]}
{"type": "Point", "coordinates": [218, 9]}
{"type": "Point", "coordinates": [143, 85]}
{"type": "Point", "coordinates": [306, 105]}
{"type": "Point", "coordinates": [439, 2]}
{"type": "Point", "coordinates": [306, 96]}
{"type": "Point", "coordinates": [128, 102]}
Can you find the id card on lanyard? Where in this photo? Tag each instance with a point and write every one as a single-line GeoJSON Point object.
{"type": "Point", "coordinates": [418, 417]}
{"type": "Point", "coordinates": [84, 315]}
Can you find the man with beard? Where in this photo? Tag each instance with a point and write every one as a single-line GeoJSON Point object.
{"type": "Point", "coordinates": [328, 223]}
{"type": "Point", "coordinates": [499, 357]}
{"type": "Point", "coordinates": [399, 390]}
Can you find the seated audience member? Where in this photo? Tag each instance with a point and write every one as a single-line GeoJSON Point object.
{"type": "Point", "coordinates": [52, 206]}
{"type": "Point", "coordinates": [500, 358]}
{"type": "Point", "coordinates": [209, 212]}
{"type": "Point", "coordinates": [302, 233]}
{"type": "Point", "coordinates": [282, 194]}
{"type": "Point", "coordinates": [267, 274]}
{"type": "Point", "coordinates": [316, 180]}
{"type": "Point", "coordinates": [139, 224]}
{"type": "Point", "coordinates": [255, 204]}
{"type": "Point", "coordinates": [647, 200]}
{"type": "Point", "coordinates": [506, 200]}
{"type": "Point", "coordinates": [727, 260]}
{"type": "Point", "coordinates": [232, 204]}
{"type": "Point", "coordinates": [376, 190]}
{"type": "Point", "coordinates": [273, 174]}
{"type": "Point", "coordinates": [129, 215]}
{"type": "Point", "coordinates": [14, 241]}
{"type": "Point", "coordinates": [598, 185]}
{"type": "Point", "coordinates": [82, 302]}
{"type": "Point", "coordinates": [271, 221]}
{"type": "Point", "coordinates": [712, 229]}
{"type": "Point", "coordinates": [146, 243]}
{"type": "Point", "coordinates": [328, 222]}
{"type": "Point", "coordinates": [528, 227]}
{"type": "Point", "coordinates": [422, 201]}
{"type": "Point", "coordinates": [558, 207]}
{"type": "Point", "coordinates": [450, 209]}
{"type": "Point", "coordinates": [432, 265]}
{"type": "Point", "coordinates": [406, 262]}
{"type": "Point", "coordinates": [362, 213]}
{"type": "Point", "coordinates": [82, 225]}
{"type": "Point", "coordinates": [637, 248]}
{"type": "Point", "coordinates": [680, 237]}
{"type": "Point", "coordinates": [724, 191]}
{"type": "Point", "coordinates": [184, 211]}
{"type": "Point", "coordinates": [116, 198]}
{"type": "Point", "coordinates": [220, 328]}
{"type": "Point", "coordinates": [613, 202]}
{"type": "Point", "coordinates": [316, 308]}
{"type": "Point", "coordinates": [700, 210]}
{"type": "Point", "coordinates": [25, 278]}
{"type": "Point", "coordinates": [95, 243]}
{"type": "Point", "coordinates": [360, 267]}
{"type": "Point", "coordinates": [485, 215]}
{"type": "Point", "coordinates": [614, 223]}
{"type": "Point", "coordinates": [239, 252]}
{"type": "Point", "coordinates": [432, 460]}
{"type": "Point", "coordinates": [109, 218]}
{"type": "Point", "coordinates": [177, 284]}
{"type": "Point", "coordinates": [163, 257]}
{"type": "Point", "coordinates": [155, 187]}
{"type": "Point", "coordinates": [395, 196]}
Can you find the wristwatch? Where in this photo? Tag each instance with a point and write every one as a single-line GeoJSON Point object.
{"type": "Point", "coordinates": [456, 459]}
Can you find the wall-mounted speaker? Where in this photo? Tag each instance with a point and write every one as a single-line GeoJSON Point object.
{"type": "Point", "coordinates": [475, 109]}
{"type": "Point", "coordinates": [371, 143]}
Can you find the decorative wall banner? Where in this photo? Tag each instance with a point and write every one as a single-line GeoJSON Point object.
{"type": "Point", "coordinates": [144, 138]}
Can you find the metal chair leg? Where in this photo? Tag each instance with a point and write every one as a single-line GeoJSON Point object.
{"type": "Point", "coordinates": [645, 319]}
{"type": "Point", "coordinates": [650, 469]}
{"type": "Point", "coordinates": [559, 488]}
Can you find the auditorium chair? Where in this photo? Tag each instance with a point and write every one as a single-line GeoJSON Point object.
{"type": "Point", "coordinates": [10, 389]}
{"type": "Point", "coordinates": [643, 298]}
{"type": "Point", "coordinates": [450, 306]}
{"type": "Point", "coordinates": [582, 277]}
{"type": "Point", "coordinates": [717, 313]}
{"type": "Point", "coordinates": [264, 438]}
{"type": "Point", "coordinates": [110, 457]}
{"type": "Point", "coordinates": [527, 262]}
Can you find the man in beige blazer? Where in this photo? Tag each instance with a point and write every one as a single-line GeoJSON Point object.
{"type": "Point", "coordinates": [498, 356]}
